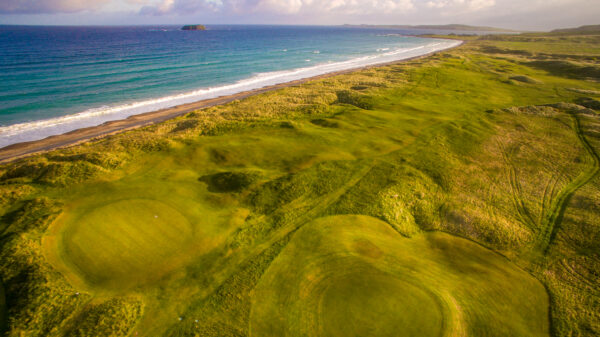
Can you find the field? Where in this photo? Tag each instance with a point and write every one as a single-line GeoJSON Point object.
{"type": "Point", "coordinates": [454, 195]}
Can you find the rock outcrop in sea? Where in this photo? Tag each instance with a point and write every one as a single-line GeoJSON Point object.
{"type": "Point", "coordinates": [193, 27]}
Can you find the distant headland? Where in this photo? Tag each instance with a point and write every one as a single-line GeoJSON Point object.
{"type": "Point", "coordinates": [193, 27]}
{"type": "Point", "coordinates": [583, 30]}
{"type": "Point", "coordinates": [450, 27]}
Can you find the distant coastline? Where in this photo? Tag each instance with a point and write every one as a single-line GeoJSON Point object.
{"type": "Point", "coordinates": [25, 149]}
{"type": "Point", "coordinates": [451, 27]}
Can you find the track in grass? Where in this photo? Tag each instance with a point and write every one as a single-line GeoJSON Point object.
{"type": "Point", "coordinates": [355, 276]}
{"type": "Point", "coordinates": [559, 204]}
{"type": "Point", "coordinates": [516, 190]}
{"type": "Point", "coordinates": [586, 281]}
{"type": "Point", "coordinates": [553, 203]}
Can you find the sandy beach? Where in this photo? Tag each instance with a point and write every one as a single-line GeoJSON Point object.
{"type": "Point", "coordinates": [21, 150]}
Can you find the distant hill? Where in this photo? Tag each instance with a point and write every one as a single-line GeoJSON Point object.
{"type": "Point", "coordinates": [456, 27]}
{"type": "Point", "coordinates": [583, 30]}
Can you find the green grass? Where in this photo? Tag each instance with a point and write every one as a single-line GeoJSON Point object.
{"type": "Point", "coordinates": [125, 238]}
{"type": "Point", "coordinates": [355, 276]}
{"type": "Point", "coordinates": [384, 195]}
{"type": "Point", "coordinates": [549, 44]}
{"type": "Point", "coordinates": [126, 233]}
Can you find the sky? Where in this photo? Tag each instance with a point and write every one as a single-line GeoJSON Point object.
{"type": "Point", "coordinates": [515, 14]}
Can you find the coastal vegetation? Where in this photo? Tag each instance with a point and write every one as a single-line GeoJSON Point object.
{"type": "Point", "coordinates": [455, 194]}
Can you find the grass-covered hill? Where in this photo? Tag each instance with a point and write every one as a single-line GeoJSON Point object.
{"type": "Point", "coordinates": [582, 30]}
{"type": "Point", "coordinates": [450, 27]}
{"type": "Point", "coordinates": [457, 194]}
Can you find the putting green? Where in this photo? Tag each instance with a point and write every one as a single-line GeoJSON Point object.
{"type": "Point", "coordinates": [377, 297]}
{"type": "Point", "coordinates": [355, 276]}
{"type": "Point", "coordinates": [126, 240]}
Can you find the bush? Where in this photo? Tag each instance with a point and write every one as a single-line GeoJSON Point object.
{"type": "Point", "coordinates": [358, 100]}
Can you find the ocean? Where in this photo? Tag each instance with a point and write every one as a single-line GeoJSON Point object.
{"type": "Point", "coordinates": [58, 79]}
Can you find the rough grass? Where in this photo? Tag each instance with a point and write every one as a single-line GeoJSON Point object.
{"type": "Point", "coordinates": [397, 154]}
{"type": "Point", "coordinates": [229, 181]}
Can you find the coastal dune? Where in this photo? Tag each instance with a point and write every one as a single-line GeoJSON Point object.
{"type": "Point", "coordinates": [120, 121]}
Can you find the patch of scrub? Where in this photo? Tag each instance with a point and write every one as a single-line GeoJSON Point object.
{"type": "Point", "coordinates": [355, 276]}
{"type": "Point", "coordinates": [588, 102]}
{"type": "Point", "coordinates": [126, 241]}
{"type": "Point", "coordinates": [227, 182]}
{"type": "Point", "coordinates": [325, 123]}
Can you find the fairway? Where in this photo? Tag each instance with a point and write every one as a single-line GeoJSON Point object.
{"type": "Point", "coordinates": [355, 276]}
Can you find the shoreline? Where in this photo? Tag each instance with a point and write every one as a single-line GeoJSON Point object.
{"type": "Point", "coordinates": [22, 150]}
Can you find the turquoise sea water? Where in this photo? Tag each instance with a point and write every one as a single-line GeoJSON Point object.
{"type": "Point", "coordinates": [57, 79]}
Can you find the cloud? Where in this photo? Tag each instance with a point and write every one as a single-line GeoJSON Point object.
{"type": "Point", "coordinates": [336, 6]}
{"type": "Point", "coordinates": [279, 7]}
{"type": "Point", "coordinates": [470, 5]}
{"type": "Point", "coordinates": [520, 14]}
{"type": "Point", "coordinates": [48, 6]}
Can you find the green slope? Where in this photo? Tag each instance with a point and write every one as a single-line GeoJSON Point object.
{"type": "Point", "coordinates": [355, 276]}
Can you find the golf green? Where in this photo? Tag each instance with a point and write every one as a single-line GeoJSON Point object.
{"type": "Point", "coordinates": [355, 276]}
{"type": "Point", "coordinates": [127, 237]}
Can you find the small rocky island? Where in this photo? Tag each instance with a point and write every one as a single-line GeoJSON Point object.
{"type": "Point", "coordinates": [193, 27]}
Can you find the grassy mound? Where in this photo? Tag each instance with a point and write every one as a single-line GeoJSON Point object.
{"type": "Point", "coordinates": [588, 102]}
{"type": "Point", "coordinates": [355, 276]}
{"type": "Point", "coordinates": [325, 123]}
{"type": "Point", "coordinates": [524, 79]}
{"type": "Point", "coordinates": [568, 69]}
{"type": "Point", "coordinates": [584, 91]}
{"type": "Point", "coordinates": [352, 98]}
